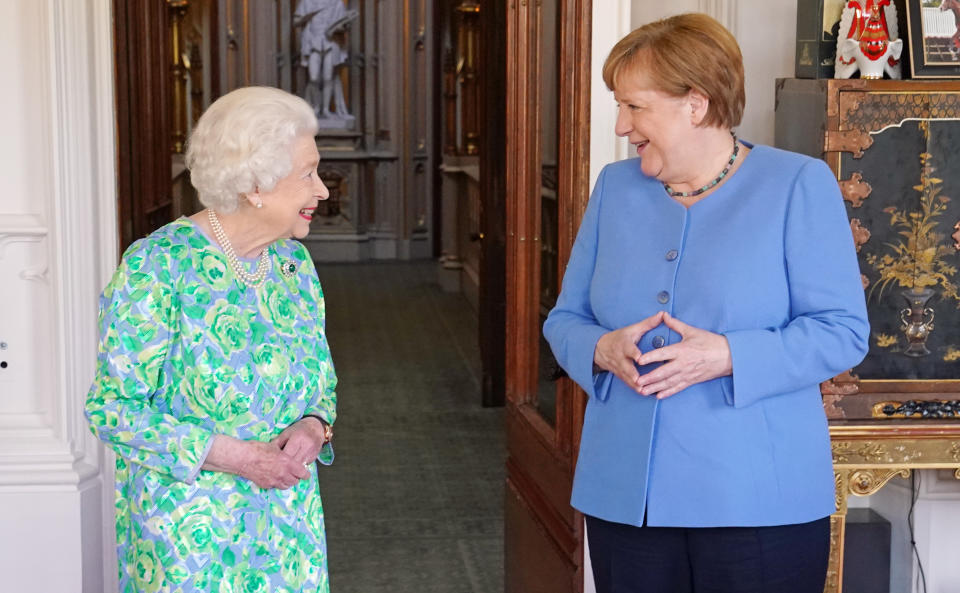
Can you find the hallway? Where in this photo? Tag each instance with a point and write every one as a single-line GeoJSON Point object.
{"type": "Point", "coordinates": [414, 500]}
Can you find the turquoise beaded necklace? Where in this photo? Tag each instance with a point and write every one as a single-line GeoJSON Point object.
{"type": "Point", "coordinates": [690, 194]}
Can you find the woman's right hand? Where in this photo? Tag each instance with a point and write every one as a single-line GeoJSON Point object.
{"type": "Point", "coordinates": [267, 466]}
{"type": "Point", "coordinates": [617, 351]}
{"type": "Point", "coordinates": [264, 464]}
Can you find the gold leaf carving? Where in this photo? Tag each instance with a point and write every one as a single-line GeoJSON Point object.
{"type": "Point", "coordinates": [834, 566]}
{"type": "Point", "coordinates": [872, 452]}
{"type": "Point", "coordinates": [855, 190]}
{"type": "Point", "coordinates": [865, 482]}
{"type": "Point", "coordinates": [840, 493]}
{"type": "Point", "coordinates": [841, 451]}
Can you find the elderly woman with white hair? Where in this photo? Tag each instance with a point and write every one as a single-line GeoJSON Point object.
{"type": "Point", "coordinates": [214, 382]}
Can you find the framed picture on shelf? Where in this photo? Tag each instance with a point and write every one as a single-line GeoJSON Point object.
{"type": "Point", "coordinates": [934, 38]}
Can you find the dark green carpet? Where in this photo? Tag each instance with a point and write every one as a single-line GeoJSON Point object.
{"type": "Point", "coordinates": [414, 500]}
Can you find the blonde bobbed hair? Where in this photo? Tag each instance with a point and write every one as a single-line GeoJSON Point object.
{"type": "Point", "coordinates": [681, 53]}
{"type": "Point", "coordinates": [243, 142]}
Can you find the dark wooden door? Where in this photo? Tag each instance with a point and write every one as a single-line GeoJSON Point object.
{"type": "Point", "coordinates": [144, 111]}
{"type": "Point", "coordinates": [547, 168]}
{"type": "Point", "coordinates": [492, 79]}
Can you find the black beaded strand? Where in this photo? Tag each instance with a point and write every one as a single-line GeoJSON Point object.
{"type": "Point", "coordinates": [690, 194]}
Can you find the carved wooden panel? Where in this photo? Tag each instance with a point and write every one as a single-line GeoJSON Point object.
{"type": "Point", "coordinates": [542, 451]}
{"type": "Point", "coordinates": [144, 110]}
{"type": "Point", "coordinates": [892, 146]}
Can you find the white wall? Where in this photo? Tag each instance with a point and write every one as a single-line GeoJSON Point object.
{"type": "Point", "coordinates": [936, 519]}
{"type": "Point", "coordinates": [768, 50]}
{"type": "Point", "coordinates": [768, 54]}
{"type": "Point", "coordinates": [57, 243]}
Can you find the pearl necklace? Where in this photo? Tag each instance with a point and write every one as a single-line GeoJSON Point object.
{"type": "Point", "coordinates": [249, 280]}
{"type": "Point", "coordinates": [689, 194]}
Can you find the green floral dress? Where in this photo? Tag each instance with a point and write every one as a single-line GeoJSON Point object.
{"type": "Point", "coordinates": [186, 353]}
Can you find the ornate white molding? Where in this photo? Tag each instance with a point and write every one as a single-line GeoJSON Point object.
{"type": "Point", "coordinates": [36, 459]}
{"type": "Point", "coordinates": [75, 102]}
{"type": "Point", "coordinates": [84, 198]}
{"type": "Point", "coordinates": [23, 228]}
{"type": "Point", "coordinates": [15, 228]}
{"type": "Point", "coordinates": [724, 11]}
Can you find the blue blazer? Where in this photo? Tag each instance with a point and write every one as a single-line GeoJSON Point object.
{"type": "Point", "coordinates": [768, 261]}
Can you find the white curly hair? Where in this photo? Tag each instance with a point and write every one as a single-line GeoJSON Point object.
{"type": "Point", "coordinates": [243, 142]}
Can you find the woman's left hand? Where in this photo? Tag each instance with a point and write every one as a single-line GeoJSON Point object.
{"type": "Point", "coordinates": [699, 356]}
{"type": "Point", "coordinates": [303, 439]}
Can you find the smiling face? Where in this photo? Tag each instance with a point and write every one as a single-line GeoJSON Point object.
{"type": "Point", "coordinates": [288, 208]}
{"type": "Point", "coordinates": [663, 128]}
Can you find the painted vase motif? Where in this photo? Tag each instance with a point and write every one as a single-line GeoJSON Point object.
{"type": "Point", "coordinates": [917, 321]}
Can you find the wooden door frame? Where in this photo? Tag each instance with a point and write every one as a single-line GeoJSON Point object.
{"type": "Point", "coordinates": [493, 199]}
{"type": "Point", "coordinates": [541, 457]}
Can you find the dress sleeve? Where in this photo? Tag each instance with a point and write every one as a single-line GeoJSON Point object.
{"type": "Point", "coordinates": [571, 328]}
{"type": "Point", "coordinates": [324, 403]}
{"type": "Point", "coordinates": [828, 330]}
{"type": "Point", "coordinates": [138, 318]}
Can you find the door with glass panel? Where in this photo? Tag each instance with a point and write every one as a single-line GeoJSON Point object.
{"type": "Point", "coordinates": [548, 88]}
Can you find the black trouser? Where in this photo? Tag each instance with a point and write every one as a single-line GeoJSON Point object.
{"type": "Point", "coordinates": [781, 559]}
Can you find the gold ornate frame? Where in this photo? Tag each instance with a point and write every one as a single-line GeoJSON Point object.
{"type": "Point", "coordinates": [867, 456]}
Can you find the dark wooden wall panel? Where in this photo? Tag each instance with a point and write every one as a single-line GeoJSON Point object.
{"type": "Point", "coordinates": [493, 199]}
{"type": "Point", "coordinates": [142, 76]}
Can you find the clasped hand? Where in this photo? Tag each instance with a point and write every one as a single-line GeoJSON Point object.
{"type": "Point", "coordinates": [699, 356]}
{"type": "Point", "coordinates": [281, 463]}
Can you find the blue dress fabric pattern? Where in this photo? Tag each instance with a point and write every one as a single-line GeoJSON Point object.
{"type": "Point", "coordinates": [766, 260]}
{"type": "Point", "coordinates": [186, 353]}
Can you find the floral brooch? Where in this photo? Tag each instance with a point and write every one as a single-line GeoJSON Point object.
{"type": "Point", "coordinates": [288, 268]}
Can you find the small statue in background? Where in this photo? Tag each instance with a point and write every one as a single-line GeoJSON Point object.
{"type": "Point", "coordinates": [868, 40]}
{"type": "Point", "coordinates": [322, 54]}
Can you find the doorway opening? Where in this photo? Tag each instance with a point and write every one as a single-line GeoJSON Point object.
{"type": "Point", "coordinates": [410, 248]}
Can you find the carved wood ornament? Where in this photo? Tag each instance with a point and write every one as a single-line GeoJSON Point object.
{"type": "Point", "coordinates": [835, 389]}
{"type": "Point", "coordinates": [861, 234]}
{"type": "Point", "coordinates": [855, 190]}
{"type": "Point", "coordinates": [855, 141]}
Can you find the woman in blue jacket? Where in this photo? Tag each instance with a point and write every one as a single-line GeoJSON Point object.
{"type": "Point", "coordinates": [712, 286]}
